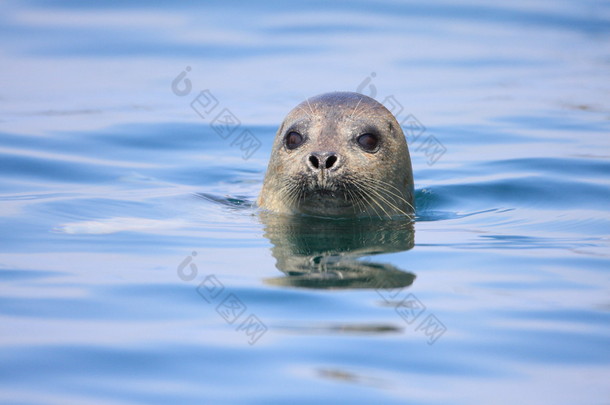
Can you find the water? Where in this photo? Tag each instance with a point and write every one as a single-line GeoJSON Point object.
{"type": "Point", "coordinates": [127, 225]}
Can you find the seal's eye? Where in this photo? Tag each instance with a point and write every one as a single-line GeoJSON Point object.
{"type": "Point", "coordinates": [368, 142]}
{"type": "Point", "coordinates": [293, 140]}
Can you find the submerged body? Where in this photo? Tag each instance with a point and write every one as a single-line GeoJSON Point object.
{"type": "Point", "coordinates": [339, 155]}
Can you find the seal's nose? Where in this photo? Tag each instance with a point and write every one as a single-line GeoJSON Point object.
{"type": "Point", "coordinates": [323, 160]}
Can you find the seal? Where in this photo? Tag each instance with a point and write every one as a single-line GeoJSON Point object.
{"type": "Point", "coordinates": [339, 154]}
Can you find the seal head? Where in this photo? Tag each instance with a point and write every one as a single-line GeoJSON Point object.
{"type": "Point", "coordinates": [339, 154]}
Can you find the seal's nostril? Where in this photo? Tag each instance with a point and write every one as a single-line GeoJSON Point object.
{"type": "Point", "coordinates": [330, 161]}
{"type": "Point", "coordinates": [314, 161]}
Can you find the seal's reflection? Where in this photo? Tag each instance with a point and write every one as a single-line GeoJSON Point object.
{"type": "Point", "coordinates": [325, 253]}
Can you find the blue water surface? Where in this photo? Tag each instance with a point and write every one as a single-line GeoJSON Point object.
{"type": "Point", "coordinates": [135, 268]}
